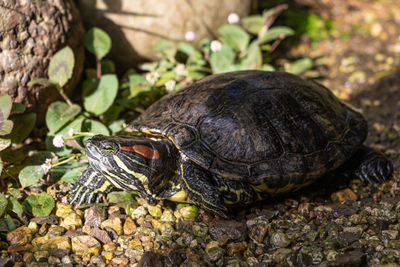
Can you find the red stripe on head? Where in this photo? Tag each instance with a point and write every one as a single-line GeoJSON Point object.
{"type": "Point", "coordinates": [145, 151]}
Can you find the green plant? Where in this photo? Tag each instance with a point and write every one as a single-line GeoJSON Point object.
{"type": "Point", "coordinates": [247, 45]}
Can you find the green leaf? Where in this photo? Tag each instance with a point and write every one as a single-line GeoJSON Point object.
{"type": "Point", "coordinates": [30, 175]}
{"type": "Point", "coordinates": [267, 67]}
{"type": "Point", "coordinates": [253, 59]}
{"type": "Point", "coordinates": [18, 108]}
{"type": "Point", "coordinates": [5, 107]}
{"type": "Point", "coordinates": [167, 48]}
{"type": "Point", "coordinates": [15, 206]}
{"type": "Point", "coordinates": [14, 193]}
{"type": "Point", "coordinates": [222, 60]}
{"type": "Point", "coordinates": [187, 49]}
{"type": "Point", "coordinates": [274, 33]}
{"type": "Point", "coordinates": [42, 81]}
{"type": "Point", "coordinates": [5, 126]}
{"type": "Point", "coordinates": [253, 24]}
{"type": "Point", "coordinates": [61, 66]}
{"type": "Point", "coordinates": [13, 156]}
{"type": "Point", "coordinates": [40, 205]}
{"type": "Point", "coordinates": [23, 125]}
{"type": "Point", "coordinates": [3, 204]}
{"type": "Point", "coordinates": [107, 67]}
{"type": "Point", "coordinates": [103, 97]}
{"type": "Point", "coordinates": [98, 42]}
{"type": "Point", "coordinates": [138, 84]}
{"type": "Point", "coordinates": [72, 176]}
{"type": "Point", "coordinates": [299, 66]}
{"type": "Point", "coordinates": [235, 37]}
{"type": "Point", "coordinates": [4, 143]}
{"type": "Point", "coordinates": [95, 127]}
{"type": "Point", "coordinates": [59, 113]}
{"type": "Point", "coordinates": [121, 197]}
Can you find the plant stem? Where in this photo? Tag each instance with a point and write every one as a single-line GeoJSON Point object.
{"type": "Point", "coordinates": [98, 67]}
{"type": "Point", "coordinates": [61, 91]}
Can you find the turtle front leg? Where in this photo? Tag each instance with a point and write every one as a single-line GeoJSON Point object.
{"type": "Point", "coordinates": [196, 181]}
{"type": "Point", "coordinates": [90, 187]}
{"type": "Point", "coordinates": [369, 165]}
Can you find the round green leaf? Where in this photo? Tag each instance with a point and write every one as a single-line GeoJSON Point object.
{"type": "Point", "coordinates": [30, 175]}
{"type": "Point", "coordinates": [40, 205]}
{"type": "Point", "coordinates": [253, 59]}
{"type": "Point", "coordinates": [299, 66]}
{"type": "Point", "coordinates": [4, 143]}
{"type": "Point", "coordinates": [274, 33]}
{"type": "Point", "coordinates": [3, 204]}
{"type": "Point", "coordinates": [253, 24]}
{"type": "Point", "coordinates": [98, 42]}
{"type": "Point", "coordinates": [61, 66]}
{"type": "Point", "coordinates": [222, 60]}
{"type": "Point", "coordinates": [235, 37]}
{"type": "Point", "coordinates": [73, 175]}
{"type": "Point", "coordinates": [5, 106]}
{"type": "Point", "coordinates": [23, 125]}
{"type": "Point", "coordinates": [15, 206]}
{"type": "Point", "coordinates": [102, 98]}
{"type": "Point", "coordinates": [59, 113]}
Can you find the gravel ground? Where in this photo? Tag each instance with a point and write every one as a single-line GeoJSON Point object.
{"type": "Point", "coordinates": [335, 222]}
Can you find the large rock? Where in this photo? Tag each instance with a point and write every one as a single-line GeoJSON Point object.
{"type": "Point", "coordinates": [31, 33]}
{"type": "Point", "coordinates": [135, 26]}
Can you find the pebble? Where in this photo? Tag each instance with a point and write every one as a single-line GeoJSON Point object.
{"type": "Point", "coordinates": [140, 211]}
{"type": "Point", "coordinates": [41, 255]}
{"type": "Point", "coordinates": [62, 209]}
{"type": "Point", "coordinates": [71, 221]}
{"type": "Point", "coordinates": [234, 248]}
{"type": "Point", "coordinates": [234, 230]}
{"type": "Point", "coordinates": [167, 216]}
{"type": "Point", "coordinates": [55, 230]}
{"type": "Point", "coordinates": [114, 223]}
{"type": "Point", "coordinates": [189, 212]}
{"type": "Point", "coordinates": [280, 240]}
{"type": "Point", "coordinates": [33, 227]}
{"type": "Point", "coordinates": [85, 245]}
{"type": "Point", "coordinates": [20, 236]}
{"type": "Point", "coordinates": [120, 261]}
{"type": "Point", "coordinates": [94, 216]}
{"type": "Point", "coordinates": [40, 240]}
{"type": "Point", "coordinates": [343, 195]}
{"type": "Point", "coordinates": [258, 233]}
{"type": "Point", "coordinates": [97, 261]}
{"type": "Point", "coordinates": [129, 226]}
{"type": "Point", "coordinates": [100, 235]}
{"type": "Point", "coordinates": [111, 246]}
{"type": "Point", "coordinates": [59, 242]}
{"type": "Point", "coordinates": [108, 255]}
{"type": "Point", "coordinates": [155, 211]}
{"type": "Point", "coordinates": [52, 219]}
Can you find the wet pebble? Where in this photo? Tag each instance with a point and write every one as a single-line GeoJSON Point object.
{"type": "Point", "coordinates": [52, 219]}
{"type": "Point", "coordinates": [58, 242]}
{"type": "Point", "coordinates": [71, 221]}
{"type": "Point", "coordinates": [62, 209]}
{"type": "Point", "coordinates": [343, 195]}
{"type": "Point", "coordinates": [280, 240]}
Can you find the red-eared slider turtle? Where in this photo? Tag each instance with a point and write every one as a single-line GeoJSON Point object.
{"type": "Point", "coordinates": [231, 139]}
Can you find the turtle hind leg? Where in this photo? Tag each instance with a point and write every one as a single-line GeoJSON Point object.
{"type": "Point", "coordinates": [369, 165]}
{"type": "Point", "coordinates": [90, 187]}
{"type": "Point", "coordinates": [196, 181]}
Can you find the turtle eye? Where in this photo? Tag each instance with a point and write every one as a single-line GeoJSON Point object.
{"type": "Point", "coordinates": [108, 147]}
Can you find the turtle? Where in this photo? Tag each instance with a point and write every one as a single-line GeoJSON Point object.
{"type": "Point", "coordinates": [233, 139]}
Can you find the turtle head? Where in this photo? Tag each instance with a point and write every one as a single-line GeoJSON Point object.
{"type": "Point", "coordinates": [130, 163]}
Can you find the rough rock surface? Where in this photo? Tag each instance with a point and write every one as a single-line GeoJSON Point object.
{"type": "Point", "coordinates": [31, 33]}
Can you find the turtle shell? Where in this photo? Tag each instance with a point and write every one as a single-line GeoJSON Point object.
{"type": "Point", "coordinates": [251, 125]}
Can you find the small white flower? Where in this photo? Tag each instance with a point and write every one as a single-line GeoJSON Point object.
{"type": "Point", "coordinates": [46, 166]}
{"type": "Point", "coordinates": [181, 70]}
{"type": "Point", "coordinates": [58, 140]}
{"type": "Point", "coordinates": [190, 36]}
{"type": "Point", "coordinates": [70, 132]}
{"type": "Point", "coordinates": [170, 85]}
{"type": "Point", "coordinates": [215, 45]}
{"type": "Point", "coordinates": [233, 18]}
{"type": "Point", "coordinates": [152, 77]}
